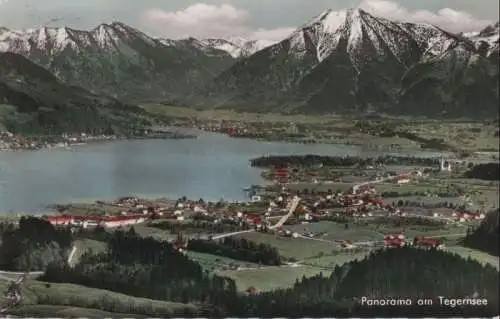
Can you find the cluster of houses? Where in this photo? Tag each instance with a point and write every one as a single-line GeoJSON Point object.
{"type": "Point", "coordinates": [468, 216]}
{"type": "Point", "coordinates": [399, 240]}
{"type": "Point", "coordinates": [94, 221]}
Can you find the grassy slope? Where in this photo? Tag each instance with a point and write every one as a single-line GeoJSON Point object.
{"type": "Point", "coordinates": [50, 311]}
{"type": "Point", "coordinates": [37, 293]}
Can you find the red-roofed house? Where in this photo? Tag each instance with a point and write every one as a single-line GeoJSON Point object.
{"type": "Point", "coordinates": [255, 219]}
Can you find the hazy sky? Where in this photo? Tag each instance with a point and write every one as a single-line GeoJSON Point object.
{"type": "Point", "coordinates": [261, 19]}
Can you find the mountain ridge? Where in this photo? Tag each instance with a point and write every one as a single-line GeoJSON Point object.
{"type": "Point", "coordinates": [117, 60]}
{"type": "Point", "coordinates": [34, 101]}
{"type": "Point", "coordinates": [369, 62]}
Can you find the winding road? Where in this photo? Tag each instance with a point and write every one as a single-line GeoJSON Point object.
{"type": "Point", "coordinates": [232, 234]}
{"type": "Point", "coordinates": [293, 207]}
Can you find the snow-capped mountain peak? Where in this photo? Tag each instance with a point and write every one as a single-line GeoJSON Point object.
{"type": "Point", "coordinates": [224, 45]}
{"type": "Point", "coordinates": [238, 46]}
{"type": "Point", "coordinates": [22, 41]}
{"type": "Point", "coordinates": [486, 40]}
{"type": "Point", "coordinates": [105, 35]}
{"type": "Point", "coordinates": [56, 40]}
{"type": "Point", "coordinates": [365, 35]}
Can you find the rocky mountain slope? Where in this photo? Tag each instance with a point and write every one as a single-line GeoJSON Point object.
{"type": "Point", "coordinates": [487, 40]}
{"type": "Point", "coordinates": [32, 100]}
{"type": "Point", "coordinates": [238, 47]}
{"type": "Point", "coordinates": [351, 61]}
{"type": "Point", "coordinates": [118, 60]}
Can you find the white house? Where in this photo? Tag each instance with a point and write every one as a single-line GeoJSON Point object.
{"type": "Point", "coordinates": [199, 209]}
{"type": "Point", "coordinates": [256, 198]}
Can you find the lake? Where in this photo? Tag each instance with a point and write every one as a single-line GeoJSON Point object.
{"type": "Point", "coordinates": [210, 167]}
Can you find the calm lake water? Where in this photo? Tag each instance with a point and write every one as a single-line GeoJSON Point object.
{"type": "Point", "coordinates": [210, 167]}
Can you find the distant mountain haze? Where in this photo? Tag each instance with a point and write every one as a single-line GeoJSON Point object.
{"type": "Point", "coordinates": [339, 62]}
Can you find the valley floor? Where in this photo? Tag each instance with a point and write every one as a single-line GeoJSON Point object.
{"type": "Point", "coordinates": [397, 134]}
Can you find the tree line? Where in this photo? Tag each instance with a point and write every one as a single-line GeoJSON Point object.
{"type": "Point", "coordinates": [384, 129]}
{"type": "Point", "coordinates": [150, 268]}
{"type": "Point", "coordinates": [445, 204]}
{"type": "Point", "coordinates": [440, 193]}
{"type": "Point", "coordinates": [198, 225]}
{"type": "Point", "coordinates": [33, 244]}
{"type": "Point", "coordinates": [421, 273]}
{"type": "Point", "coordinates": [238, 248]}
{"type": "Point", "coordinates": [145, 267]}
{"type": "Point", "coordinates": [339, 161]}
{"type": "Point", "coordinates": [485, 236]}
{"type": "Point", "coordinates": [486, 171]}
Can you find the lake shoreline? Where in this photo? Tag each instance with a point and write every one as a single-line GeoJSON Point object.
{"type": "Point", "coordinates": [17, 142]}
{"type": "Point", "coordinates": [210, 167]}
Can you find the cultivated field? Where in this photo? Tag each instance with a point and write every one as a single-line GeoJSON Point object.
{"type": "Point", "coordinates": [320, 187]}
{"type": "Point", "coordinates": [296, 248]}
{"type": "Point", "coordinates": [470, 136]}
{"type": "Point", "coordinates": [269, 278]}
{"type": "Point", "coordinates": [229, 115]}
{"type": "Point", "coordinates": [465, 135]}
{"type": "Point", "coordinates": [329, 262]}
{"type": "Point", "coordinates": [336, 231]}
{"type": "Point", "coordinates": [217, 263]}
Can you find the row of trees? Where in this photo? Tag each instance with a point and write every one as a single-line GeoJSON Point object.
{"type": "Point", "coordinates": [339, 161]}
{"type": "Point", "coordinates": [400, 221]}
{"type": "Point", "coordinates": [408, 203]}
{"type": "Point", "coordinates": [199, 226]}
{"type": "Point", "coordinates": [447, 193]}
{"type": "Point", "coordinates": [384, 129]}
{"type": "Point", "coordinates": [238, 248]}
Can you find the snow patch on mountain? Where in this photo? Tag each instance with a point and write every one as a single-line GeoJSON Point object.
{"type": "Point", "coordinates": [362, 32]}
{"type": "Point", "coordinates": [55, 40]}
{"type": "Point", "coordinates": [238, 47]}
{"type": "Point", "coordinates": [486, 39]}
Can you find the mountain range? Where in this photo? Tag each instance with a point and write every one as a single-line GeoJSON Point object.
{"type": "Point", "coordinates": [339, 62]}
{"type": "Point", "coordinates": [118, 60]}
{"type": "Point", "coordinates": [351, 61]}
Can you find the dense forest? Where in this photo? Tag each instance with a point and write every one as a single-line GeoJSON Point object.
{"type": "Point", "coordinates": [146, 267]}
{"type": "Point", "coordinates": [33, 244]}
{"type": "Point", "coordinates": [485, 236]}
{"type": "Point", "coordinates": [421, 274]}
{"type": "Point", "coordinates": [486, 171]}
{"type": "Point", "coordinates": [310, 160]}
{"type": "Point", "coordinates": [238, 248]}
